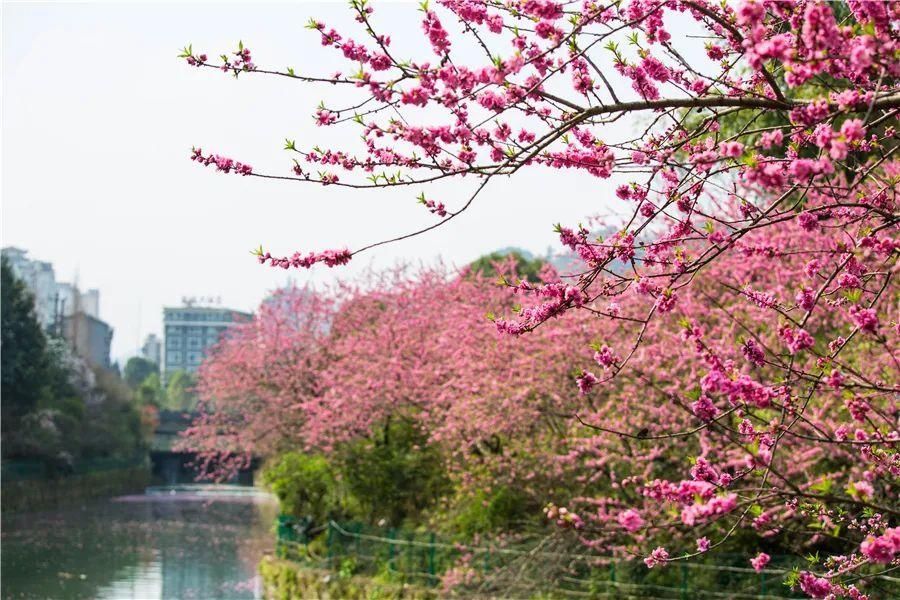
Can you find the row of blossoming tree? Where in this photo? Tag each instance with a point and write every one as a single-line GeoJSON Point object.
{"type": "Point", "coordinates": [744, 312]}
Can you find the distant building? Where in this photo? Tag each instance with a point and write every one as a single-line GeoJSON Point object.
{"type": "Point", "coordinates": [152, 349]}
{"type": "Point", "coordinates": [53, 300]}
{"type": "Point", "coordinates": [89, 337]}
{"type": "Point", "coordinates": [62, 309]}
{"type": "Point", "coordinates": [190, 330]}
{"type": "Point", "coordinates": [69, 300]}
{"type": "Point", "coordinates": [90, 303]}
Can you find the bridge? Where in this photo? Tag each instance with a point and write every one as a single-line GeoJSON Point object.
{"type": "Point", "coordinates": [173, 467]}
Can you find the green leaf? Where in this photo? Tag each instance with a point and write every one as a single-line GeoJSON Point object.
{"type": "Point", "coordinates": [823, 487]}
{"type": "Point", "coordinates": [854, 295]}
{"type": "Point", "coordinates": [753, 448]}
{"type": "Point", "coordinates": [792, 577]}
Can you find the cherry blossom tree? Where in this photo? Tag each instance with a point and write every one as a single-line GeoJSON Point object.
{"type": "Point", "coordinates": [758, 221]}
{"type": "Point", "coordinates": [417, 347]}
{"type": "Point", "coordinates": [253, 385]}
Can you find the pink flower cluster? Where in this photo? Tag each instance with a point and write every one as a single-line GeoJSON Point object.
{"type": "Point", "coordinates": [331, 258]}
{"type": "Point", "coordinates": [561, 296]}
{"type": "Point", "coordinates": [630, 520]}
{"type": "Point", "coordinates": [223, 164]}
{"type": "Point", "coordinates": [436, 208]}
{"type": "Point", "coordinates": [882, 548]}
{"type": "Point", "coordinates": [659, 556]}
{"type": "Point", "coordinates": [563, 516]}
{"type": "Point", "coordinates": [760, 561]}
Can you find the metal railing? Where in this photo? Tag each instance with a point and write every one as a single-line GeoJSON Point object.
{"type": "Point", "coordinates": [422, 557]}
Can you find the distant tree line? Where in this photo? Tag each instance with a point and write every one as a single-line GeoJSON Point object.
{"type": "Point", "coordinates": [56, 407]}
{"type": "Point", "coordinates": [143, 377]}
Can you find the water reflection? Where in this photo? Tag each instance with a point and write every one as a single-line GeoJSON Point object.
{"type": "Point", "coordinates": [186, 542]}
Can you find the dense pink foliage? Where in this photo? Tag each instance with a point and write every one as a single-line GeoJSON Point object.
{"type": "Point", "coordinates": [253, 385]}
{"type": "Point", "coordinates": [741, 371]}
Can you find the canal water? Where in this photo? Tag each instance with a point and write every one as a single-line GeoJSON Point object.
{"type": "Point", "coordinates": [192, 541]}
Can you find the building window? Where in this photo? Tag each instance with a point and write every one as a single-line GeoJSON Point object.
{"type": "Point", "coordinates": [195, 358]}
{"type": "Point", "coordinates": [173, 358]}
{"type": "Point", "coordinates": [194, 343]}
{"type": "Point", "coordinates": [173, 342]}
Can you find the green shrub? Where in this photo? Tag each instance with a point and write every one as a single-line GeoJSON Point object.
{"type": "Point", "coordinates": [283, 580]}
{"type": "Point", "coordinates": [502, 510]}
{"type": "Point", "coordinates": [305, 486]}
{"type": "Point", "coordinates": [394, 475]}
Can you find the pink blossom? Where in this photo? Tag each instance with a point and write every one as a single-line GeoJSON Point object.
{"type": "Point", "coordinates": [808, 221]}
{"type": "Point", "coordinates": [631, 520]}
{"type": "Point", "coordinates": [796, 339]}
{"type": "Point", "coordinates": [731, 149]}
{"type": "Point", "coordinates": [753, 352]}
{"type": "Point", "coordinates": [658, 557]}
{"type": "Point", "coordinates": [864, 318]}
{"type": "Point", "coordinates": [666, 301]}
{"type": "Point", "coordinates": [223, 164]}
{"type": "Point", "coordinates": [806, 299]}
{"type": "Point", "coordinates": [849, 281]}
{"type": "Point", "coordinates": [883, 548]}
{"type": "Point", "coordinates": [863, 489]}
{"type": "Point", "coordinates": [700, 512]}
{"type": "Point", "coordinates": [605, 357]}
{"type": "Point", "coordinates": [436, 33]}
{"type": "Point", "coordinates": [835, 379]}
{"type": "Point", "coordinates": [858, 408]}
{"type": "Point", "coordinates": [325, 117]}
{"type": "Point", "coordinates": [331, 258]}
{"type": "Point", "coordinates": [771, 138]}
{"type": "Point", "coordinates": [853, 130]}
{"type": "Point", "coordinates": [761, 299]}
{"type": "Point", "coordinates": [760, 561]}
{"type": "Point", "coordinates": [704, 408]}
{"type": "Point", "coordinates": [586, 381]}
{"type": "Point", "coordinates": [816, 587]}
{"type": "Point", "coordinates": [703, 471]}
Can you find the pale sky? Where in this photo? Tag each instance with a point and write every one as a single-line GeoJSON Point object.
{"type": "Point", "coordinates": [98, 119]}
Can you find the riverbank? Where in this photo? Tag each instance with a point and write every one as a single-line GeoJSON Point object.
{"type": "Point", "coordinates": [44, 493]}
{"type": "Point", "coordinates": [287, 580]}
